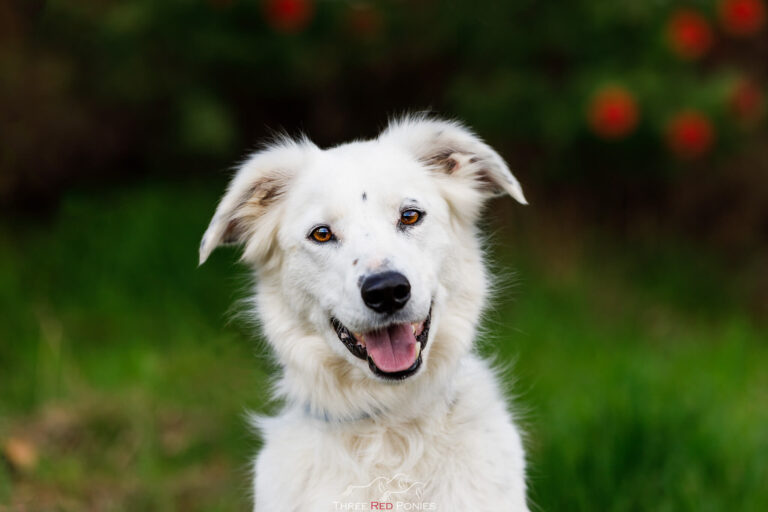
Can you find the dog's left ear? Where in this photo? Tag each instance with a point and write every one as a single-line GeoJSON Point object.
{"type": "Point", "coordinates": [450, 148]}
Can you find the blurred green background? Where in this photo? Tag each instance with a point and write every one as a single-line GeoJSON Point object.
{"type": "Point", "coordinates": [632, 326]}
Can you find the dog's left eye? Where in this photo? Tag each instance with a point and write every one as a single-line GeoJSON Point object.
{"type": "Point", "coordinates": [322, 234]}
{"type": "Point", "coordinates": [410, 217]}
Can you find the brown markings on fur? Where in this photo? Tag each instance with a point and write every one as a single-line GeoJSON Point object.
{"type": "Point", "coordinates": [233, 232]}
{"type": "Point", "coordinates": [265, 191]}
{"type": "Point", "coordinates": [486, 180]}
{"type": "Point", "coordinates": [443, 161]}
{"type": "Point", "coordinates": [251, 206]}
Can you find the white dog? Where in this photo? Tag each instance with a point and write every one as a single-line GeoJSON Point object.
{"type": "Point", "coordinates": [370, 284]}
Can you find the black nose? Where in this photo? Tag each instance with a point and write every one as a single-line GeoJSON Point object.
{"type": "Point", "coordinates": [386, 292]}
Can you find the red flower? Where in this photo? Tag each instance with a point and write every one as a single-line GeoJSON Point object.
{"type": "Point", "coordinates": [613, 112]}
{"type": "Point", "coordinates": [288, 15]}
{"type": "Point", "coordinates": [746, 102]}
{"type": "Point", "coordinates": [689, 34]}
{"type": "Point", "coordinates": [690, 134]}
{"type": "Point", "coordinates": [742, 17]}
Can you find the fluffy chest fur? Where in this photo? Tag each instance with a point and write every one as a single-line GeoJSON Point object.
{"type": "Point", "coordinates": [461, 453]}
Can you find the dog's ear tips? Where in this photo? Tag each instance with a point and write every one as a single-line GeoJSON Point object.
{"type": "Point", "coordinates": [520, 198]}
{"type": "Point", "coordinates": [203, 256]}
{"type": "Point", "coordinates": [514, 189]}
{"type": "Point", "coordinates": [206, 247]}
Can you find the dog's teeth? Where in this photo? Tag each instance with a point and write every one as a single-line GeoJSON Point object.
{"type": "Point", "coordinates": [413, 327]}
{"type": "Point", "coordinates": [418, 349]}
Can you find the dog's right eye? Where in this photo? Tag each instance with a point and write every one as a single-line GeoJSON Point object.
{"type": "Point", "coordinates": [322, 234]}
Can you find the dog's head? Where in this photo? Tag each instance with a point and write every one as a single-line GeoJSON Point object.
{"type": "Point", "coordinates": [365, 250]}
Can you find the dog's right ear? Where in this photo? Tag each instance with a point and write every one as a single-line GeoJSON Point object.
{"type": "Point", "coordinates": [244, 213]}
{"type": "Point", "coordinates": [453, 150]}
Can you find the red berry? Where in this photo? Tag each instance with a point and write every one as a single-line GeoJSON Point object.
{"type": "Point", "coordinates": [613, 112]}
{"type": "Point", "coordinates": [689, 34]}
{"type": "Point", "coordinates": [288, 15]}
{"type": "Point", "coordinates": [690, 134]}
{"type": "Point", "coordinates": [746, 101]}
{"type": "Point", "coordinates": [742, 17]}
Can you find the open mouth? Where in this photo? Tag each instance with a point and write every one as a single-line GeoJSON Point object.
{"type": "Point", "coordinates": [392, 352]}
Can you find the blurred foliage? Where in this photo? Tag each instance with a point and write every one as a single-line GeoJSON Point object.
{"type": "Point", "coordinates": [93, 89]}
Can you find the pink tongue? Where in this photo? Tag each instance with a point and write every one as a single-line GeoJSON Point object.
{"type": "Point", "coordinates": [392, 349]}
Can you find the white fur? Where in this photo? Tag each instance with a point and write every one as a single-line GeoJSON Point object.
{"type": "Point", "coordinates": [445, 433]}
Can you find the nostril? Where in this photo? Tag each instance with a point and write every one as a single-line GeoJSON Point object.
{"type": "Point", "coordinates": [401, 292]}
{"type": "Point", "coordinates": [374, 296]}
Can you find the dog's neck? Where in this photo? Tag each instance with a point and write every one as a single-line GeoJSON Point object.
{"type": "Point", "coordinates": [341, 398]}
{"type": "Point", "coordinates": [323, 416]}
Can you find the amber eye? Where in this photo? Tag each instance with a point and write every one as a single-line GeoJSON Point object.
{"type": "Point", "coordinates": [321, 234]}
{"type": "Point", "coordinates": [410, 217]}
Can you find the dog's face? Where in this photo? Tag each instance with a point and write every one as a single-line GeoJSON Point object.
{"type": "Point", "coordinates": [364, 240]}
{"type": "Point", "coordinates": [358, 238]}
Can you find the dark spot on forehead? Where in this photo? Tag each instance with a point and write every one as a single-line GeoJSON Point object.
{"type": "Point", "coordinates": [354, 262]}
{"type": "Point", "coordinates": [365, 196]}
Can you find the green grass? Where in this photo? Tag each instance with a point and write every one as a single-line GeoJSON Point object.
{"type": "Point", "coordinates": [641, 380]}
